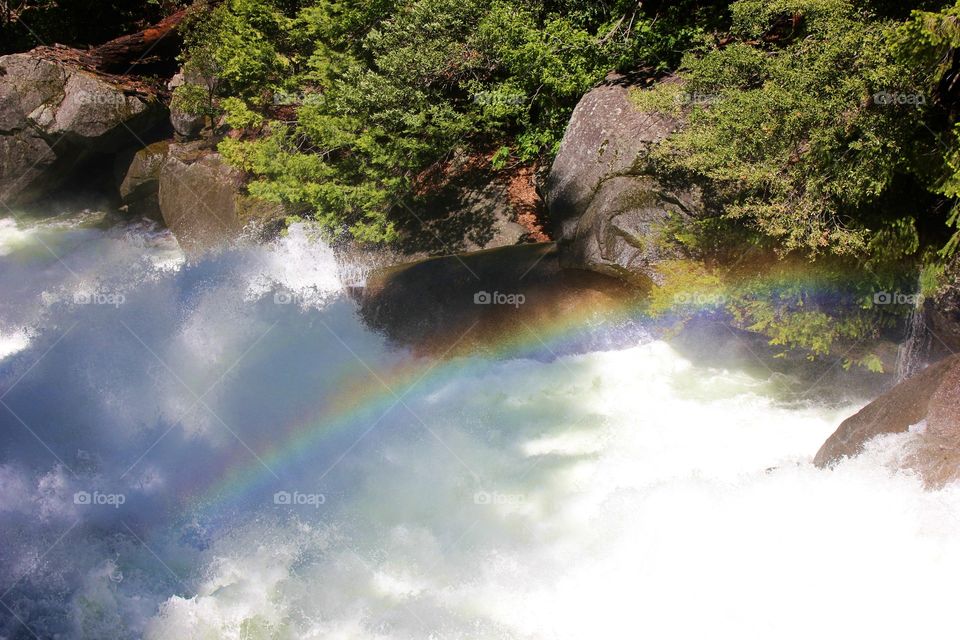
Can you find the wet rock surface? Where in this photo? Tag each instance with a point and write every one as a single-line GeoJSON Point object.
{"type": "Point", "coordinates": [929, 402]}
{"type": "Point", "coordinates": [139, 178]}
{"type": "Point", "coordinates": [203, 200]}
{"type": "Point", "coordinates": [477, 300]}
{"type": "Point", "coordinates": [942, 312]}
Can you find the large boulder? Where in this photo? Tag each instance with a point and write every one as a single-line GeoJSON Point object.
{"type": "Point", "coordinates": [611, 214]}
{"type": "Point", "coordinates": [55, 115]}
{"type": "Point", "coordinates": [938, 456]}
{"type": "Point", "coordinates": [463, 204]}
{"type": "Point", "coordinates": [929, 402]}
{"type": "Point", "coordinates": [204, 201]}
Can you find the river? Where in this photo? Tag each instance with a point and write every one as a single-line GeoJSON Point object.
{"type": "Point", "coordinates": [220, 448]}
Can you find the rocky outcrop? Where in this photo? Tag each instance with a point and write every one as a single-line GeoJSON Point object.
{"type": "Point", "coordinates": [204, 202]}
{"type": "Point", "coordinates": [937, 457]}
{"type": "Point", "coordinates": [463, 204]}
{"type": "Point", "coordinates": [611, 215]}
{"type": "Point", "coordinates": [930, 402]}
{"type": "Point", "coordinates": [55, 116]}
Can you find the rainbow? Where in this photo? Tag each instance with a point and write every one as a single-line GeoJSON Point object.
{"type": "Point", "coordinates": [358, 407]}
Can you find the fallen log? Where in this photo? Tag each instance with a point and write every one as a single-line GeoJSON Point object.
{"type": "Point", "coordinates": [157, 43]}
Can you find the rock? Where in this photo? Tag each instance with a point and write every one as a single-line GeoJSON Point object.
{"type": "Point", "coordinates": [623, 230]}
{"type": "Point", "coordinates": [473, 301]}
{"type": "Point", "coordinates": [140, 180]}
{"type": "Point", "coordinates": [937, 457]}
{"type": "Point", "coordinates": [186, 125]}
{"type": "Point", "coordinates": [610, 213]}
{"type": "Point", "coordinates": [933, 396]}
{"type": "Point", "coordinates": [464, 205]}
{"type": "Point", "coordinates": [203, 200]}
{"type": "Point", "coordinates": [55, 116]}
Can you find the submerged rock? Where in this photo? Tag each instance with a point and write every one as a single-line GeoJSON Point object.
{"type": "Point", "coordinates": [56, 116]}
{"type": "Point", "coordinates": [932, 399]}
{"type": "Point", "coordinates": [480, 299]}
{"type": "Point", "coordinates": [611, 214]}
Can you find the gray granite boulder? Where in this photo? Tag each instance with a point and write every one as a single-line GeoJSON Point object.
{"type": "Point", "coordinates": [611, 212]}
{"type": "Point", "coordinates": [139, 180]}
{"type": "Point", "coordinates": [54, 116]}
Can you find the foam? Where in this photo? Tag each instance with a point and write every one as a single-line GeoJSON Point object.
{"type": "Point", "coordinates": [625, 493]}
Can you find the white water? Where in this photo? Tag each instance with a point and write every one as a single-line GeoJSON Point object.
{"type": "Point", "coordinates": [617, 494]}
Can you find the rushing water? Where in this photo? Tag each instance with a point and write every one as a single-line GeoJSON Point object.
{"type": "Point", "coordinates": [222, 450]}
{"type": "Point", "coordinates": [914, 351]}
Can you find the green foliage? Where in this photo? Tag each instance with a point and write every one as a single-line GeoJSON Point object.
{"type": "Point", "coordinates": [929, 42]}
{"type": "Point", "coordinates": [931, 279]}
{"type": "Point", "coordinates": [822, 309]}
{"type": "Point", "coordinates": [819, 126]}
{"type": "Point", "coordinates": [804, 138]}
{"type": "Point", "coordinates": [350, 101]}
{"type": "Point", "coordinates": [194, 99]}
{"type": "Point", "coordinates": [827, 129]}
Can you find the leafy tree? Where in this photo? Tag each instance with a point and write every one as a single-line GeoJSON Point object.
{"type": "Point", "coordinates": [806, 132]}
{"type": "Point", "coordinates": [930, 42]}
{"type": "Point", "coordinates": [822, 129]}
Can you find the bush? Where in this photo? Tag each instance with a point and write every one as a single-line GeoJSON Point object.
{"type": "Point", "coordinates": [823, 128]}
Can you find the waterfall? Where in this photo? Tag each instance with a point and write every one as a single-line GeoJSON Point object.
{"type": "Point", "coordinates": [912, 353]}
